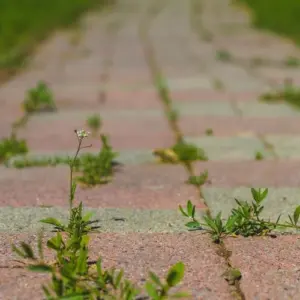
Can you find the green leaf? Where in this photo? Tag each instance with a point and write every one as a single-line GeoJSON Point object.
{"type": "Point", "coordinates": [52, 221]}
{"type": "Point", "coordinates": [296, 215]}
{"type": "Point", "coordinates": [88, 216]}
{"type": "Point", "coordinates": [18, 251]}
{"type": "Point", "coordinates": [190, 208]}
{"type": "Point", "coordinates": [119, 278]}
{"type": "Point", "coordinates": [151, 290]}
{"type": "Point", "coordinates": [81, 263]}
{"type": "Point", "coordinates": [193, 224]}
{"type": "Point", "coordinates": [155, 279]}
{"type": "Point", "coordinates": [43, 268]}
{"type": "Point", "coordinates": [264, 194]}
{"type": "Point", "coordinates": [40, 245]}
{"type": "Point", "coordinates": [55, 242]}
{"type": "Point", "coordinates": [175, 274]}
{"type": "Point", "coordinates": [255, 194]}
{"type": "Point", "coordinates": [27, 250]}
{"type": "Point", "coordinates": [182, 211]}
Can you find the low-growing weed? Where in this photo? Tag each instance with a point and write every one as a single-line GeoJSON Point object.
{"type": "Point", "coordinates": [73, 276]}
{"type": "Point", "coordinates": [223, 55]}
{"type": "Point", "coordinates": [244, 220]}
{"type": "Point", "coordinates": [94, 123]}
{"type": "Point", "coordinates": [288, 93]}
{"type": "Point", "coordinates": [99, 168]}
{"type": "Point", "coordinates": [12, 146]}
{"type": "Point", "coordinates": [92, 169]}
{"type": "Point", "coordinates": [39, 99]}
{"type": "Point", "coordinates": [259, 156]}
{"type": "Point", "coordinates": [209, 132]}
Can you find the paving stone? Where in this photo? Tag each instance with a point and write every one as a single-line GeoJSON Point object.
{"type": "Point", "coordinates": [266, 173]}
{"type": "Point", "coordinates": [219, 108]}
{"type": "Point", "coordinates": [146, 187]}
{"type": "Point", "coordinates": [269, 267]}
{"type": "Point", "coordinates": [259, 109]}
{"type": "Point", "coordinates": [230, 148]}
{"type": "Point", "coordinates": [279, 201]}
{"type": "Point", "coordinates": [239, 126]}
{"type": "Point", "coordinates": [285, 146]}
{"type": "Point", "coordinates": [26, 219]}
{"type": "Point", "coordinates": [56, 132]}
{"type": "Point", "coordinates": [137, 254]}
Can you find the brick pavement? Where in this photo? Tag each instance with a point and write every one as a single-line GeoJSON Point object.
{"type": "Point", "coordinates": [106, 72]}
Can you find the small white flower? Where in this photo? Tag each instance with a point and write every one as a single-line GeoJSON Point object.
{"type": "Point", "coordinates": [82, 133]}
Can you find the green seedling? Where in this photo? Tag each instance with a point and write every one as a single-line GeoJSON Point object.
{"type": "Point", "coordinates": [209, 132]}
{"type": "Point", "coordinates": [292, 62]}
{"type": "Point", "coordinates": [288, 93]}
{"type": "Point", "coordinates": [259, 156]}
{"type": "Point", "coordinates": [244, 220]}
{"type": "Point", "coordinates": [10, 147]}
{"type": "Point", "coordinates": [232, 275]}
{"type": "Point", "coordinates": [39, 99]}
{"type": "Point", "coordinates": [97, 168]}
{"type": "Point", "coordinates": [73, 275]}
{"type": "Point", "coordinates": [198, 180]}
{"type": "Point", "coordinates": [94, 123]}
{"type": "Point", "coordinates": [223, 55]}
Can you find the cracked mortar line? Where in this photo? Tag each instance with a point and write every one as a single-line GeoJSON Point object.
{"type": "Point", "coordinates": [196, 20]}
{"type": "Point", "coordinates": [156, 72]}
{"type": "Point", "coordinates": [236, 291]}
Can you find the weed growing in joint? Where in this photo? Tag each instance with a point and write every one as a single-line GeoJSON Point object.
{"type": "Point", "coordinates": [182, 152]}
{"type": "Point", "coordinates": [223, 55]}
{"type": "Point", "coordinates": [259, 156]}
{"type": "Point", "coordinates": [209, 132]}
{"type": "Point", "coordinates": [10, 147]}
{"type": "Point", "coordinates": [73, 276]}
{"type": "Point", "coordinates": [94, 123]}
{"type": "Point", "coordinates": [39, 99]}
{"type": "Point", "coordinates": [92, 169]}
{"type": "Point", "coordinates": [288, 93]}
{"type": "Point", "coordinates": [244, 220]}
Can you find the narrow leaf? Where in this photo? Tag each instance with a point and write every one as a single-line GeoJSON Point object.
{"type": "Point", "coordinates": [175, 274]}
{"type": "Point", "coordinates": [296, 215]}
{"type": "Point", "coordinates": [155, 279]}
{"type": "Point", "coordinates": [182, 211]}
{"type": "Point", "coordinates": [43, 268]}
{"type": "Point", "coordinates": [151, 290]}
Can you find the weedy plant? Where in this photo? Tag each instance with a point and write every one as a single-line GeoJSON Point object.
{"type": "Point", "coordinates": [73, 276]}
{"type": "Point", "coordinates": [91, 169]}
{"type": "Point", "coordinates": [259, 156]}
{"type": "Point", "coordinates": [39, 99]}
{"type": "Point", "coordinates": [223, 55]}
{"type": "Point", "coordinates": [292, 62]}
{"type": "Point", "coordinates": [288, 93]}
{"type": "Point", "coordinates": [97, 168]}
{"type": "Point", "coordinates": [181, 152]}
{"type": "Point", "coordinates": [12, 146]}
{"type": "Point", "coordinates": [244, 220]}
{"type": "Point", "coordinates": [94, 123]}
{"type": "Point", "coordinates": [209, 132]}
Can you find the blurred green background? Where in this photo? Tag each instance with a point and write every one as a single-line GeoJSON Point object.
{"type": "Point", "coordinates": [279, 16]}
{"type": "Point", "coordinates": [25, 22]}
